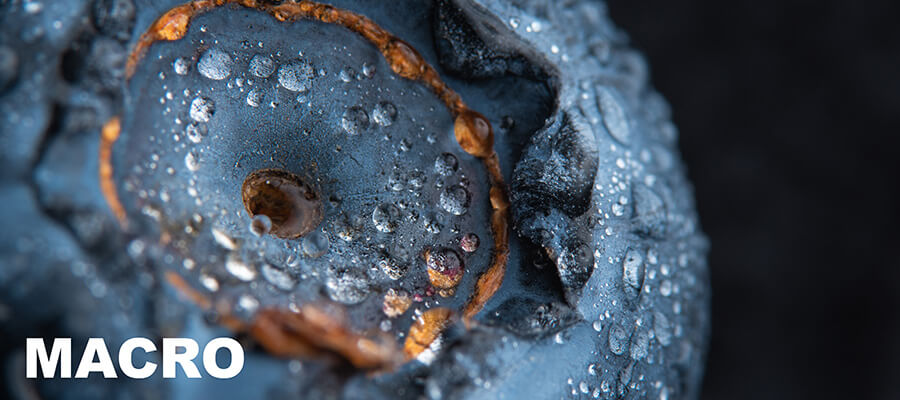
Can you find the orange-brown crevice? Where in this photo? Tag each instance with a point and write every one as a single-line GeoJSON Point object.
{"type": "Point", "coordinates": [472, 130]}
{"type": "Point", "coordinates": [108, 135]}
{"type": "Point", "coordinates": [312, 331]}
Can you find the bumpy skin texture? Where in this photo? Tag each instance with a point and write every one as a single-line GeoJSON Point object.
{"type": "Point", "coordinates": [606, 291]}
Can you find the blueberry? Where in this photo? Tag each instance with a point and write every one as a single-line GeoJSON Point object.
{"type": "Point", "coordinates": [254, 165]}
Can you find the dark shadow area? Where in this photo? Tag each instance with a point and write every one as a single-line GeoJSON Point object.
{"type": "Point", "coordinates": [788, 112]}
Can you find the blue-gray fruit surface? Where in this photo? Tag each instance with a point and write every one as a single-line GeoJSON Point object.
{"type": "Point", "coordinates": [606, 292]}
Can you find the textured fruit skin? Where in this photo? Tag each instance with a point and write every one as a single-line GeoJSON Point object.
{"type": "Point", "coordinates": [606, 292]}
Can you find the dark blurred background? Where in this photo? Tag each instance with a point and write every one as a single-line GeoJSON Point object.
{"type": "Point", "coordinates": [789, 113]}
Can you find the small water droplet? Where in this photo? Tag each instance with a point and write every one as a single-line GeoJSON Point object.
{"type": "Point", "coordinates": [192, 160]}
{"type": "Point", "coordinates": [261, 66]}
{"type": "Point", "coordinates": [278, 277]}
{"type": "Point", "coordinates": [195, 132]}
{"type": "Point", "coordinates": [469, 242]}
{"type": "Point", "coordinates": [315, 244]}
{"type": "Point", "coordinates": [296, 76]}
{"type": "Point", "coordinates": [238, 268]}
{"type": "Point", "coordinates": [347, 286]}
{"type": "Point", "coordinates": [346, 75]}
{"type": "Point", "coordinates": [455, 200]}
{"type": "Point", "coordinates": [254, 97]}
{"type": "Point", "coordinates": [446, 164]}
{"type": "Point", "coordinates": [260, 224]}
{"type": "Point", "coordinates": [368, 70]}
{"type": "Point", "coordinates": [215, 64]}
{"type": "Point", "coordinates": [633, 269]}
{"type": "Point", "coordinates": [181, 66]}
{"type": "Point", "coordinates": [618, 340]}
{"type": "Point", "coordinates": [355, 120]}
{"type": "Point", "coordinates": [384, 113]}
{"type": "Point", "coordinates": [386, 217]}
{"type": "Point", "coordinates": [202, 109]}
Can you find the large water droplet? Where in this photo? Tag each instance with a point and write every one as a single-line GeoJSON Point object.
{"type": "Point", "coordinates": [613, 115]}
{"type": "Point", "coordinates": [261, 66]}
{"type": "Point", "coordinates": [384, 113]}
{"type": "Point", "coordinates": [215, 64]}
{"type": "Point", "coordinates": [649, 212]}
{"type": "Point", "coordinates": [296, 76]}
{"type": "Point", "coordinates": [355, 120]}
{"type": "Point", "coordinates": [662, 328]}
{"type": "Point", "coordinates": [202, 109]}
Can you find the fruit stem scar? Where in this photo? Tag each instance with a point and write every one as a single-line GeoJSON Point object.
{"type": "Point", "coordinates": [108, 135]}
{"type": "Point", "coordinates": [472, 130]}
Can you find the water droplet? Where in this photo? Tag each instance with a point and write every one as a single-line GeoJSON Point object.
{"type": "Point", "coordinates": [384, 113]}
{"type": "Point", "coordinates": [261, 66]}
{"type": "Point", "coordinates": [455, 200]}
{"type": "Point", "coordinates": [649, 212]}
{"type": "Point", "coordinates": [396, 302]}
{"type": "Point", "coordinates": [396, 181]}
{"type": "Point", "coordinates": [254, 97]}
{"type": "Point", "coordinates": [640, 345]}
{"type": "Point", "coordinates": [215, 64]}
{"type": "Point", "coordinates": [368, 70]}
{"type": "Point", "coordinates": [296, 76]}
{"type": "Point", "coordinates": [613, 115]}
{"type": "Point", "coordinates": [192, 160]}
{"type": "Point", "coordinates": [416, 179]}
{"type": "Point", "coordinates": [315, 244]}
{"type": "Point", "coordinates": [346, 75]}
{"type": "Point", "coordinates": [277, 277]}
{"type": "Point", "coordinates": [633, 269]}
{"type": "Point", "coordinates": [662, 328]}
{"type": "Point", "coordinates": [597, 326]}
{"type": "Point", "coordinates": [209, 282]}
{"type": "Point", "coordinates": [247, 303]}
{"type": "Point", "coordinates": [446, 164]}
{"type": "Point", "coordinates": [195, 132]}
{"type": "Point", "coordinates": [181, 66]}
{"type": "Point", "coordinates": [260, 225]}
{"type": "Point", "coordinates": [469, 242]}
{"type": "Point", "coordinates": [665, 288]}
{"type": "Point", "coordinates": [391, 268]}
{"type": "Point", "coordinates": [355, 120]}
{"type": "Point", "coordinates": [386, 217]}
{"type": "Point", "coordinates": [202, 109]}
{"type": "Point", "coordinates": [347, 286]}
{"type": "Point", "coordinates": [618, 340]}
{"type": "Point", "coordinates": [239, 268]}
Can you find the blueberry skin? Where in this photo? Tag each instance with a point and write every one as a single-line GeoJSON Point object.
{"type": "Point", "coordinates": [606, 293]}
